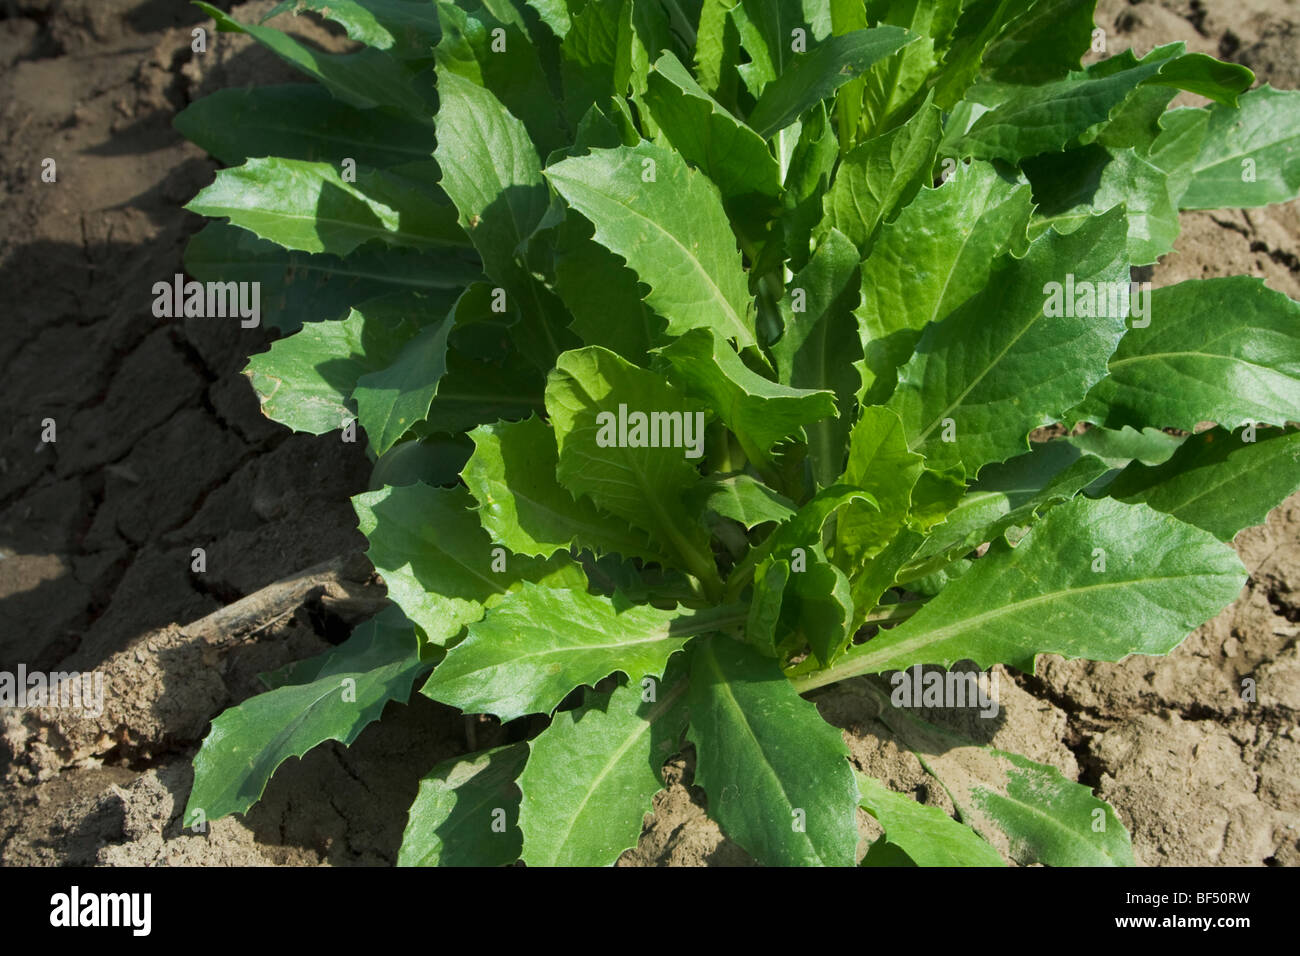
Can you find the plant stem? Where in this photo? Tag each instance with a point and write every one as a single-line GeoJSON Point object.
{"type": "Point", "coordinates": [886, 613]}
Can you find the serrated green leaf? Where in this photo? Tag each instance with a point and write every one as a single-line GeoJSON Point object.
{"type": "Point", "coordinates": [994, 382]}
{"type": "Point", "coordinates": [592, 773]}
{"type": "Point", "coordinates": [249, 741]}
{"type": "Point", "coordinates": [927, 835]}
{"type": "Point", "coordinates": [493, 175]}
{"type": "Point", "coordinates": [807, 177]}
{"type": "Point", "coordinates": [1013, 493]}
{"type": "Point", "coordinates": [302, 121]}
{"type": "Point", "coordinates": [716, 45]}
{"type": "Point", "coordinates": [812, 77]}
{"type": "Point", "coordinates": [759, 412]}
{"type": "Point", "coordinates": [881, 176]}
{"type": "Point", "coordinates": [436, 560]}
{"type": "Point", "coordinates": [671, 230]}
{"type": "Point", "coordinates": [1218, 480]}
{"type": "Point", "coordinates": [539, 643]}
{"type": "Point", "coordinates": [305, 381]}
{"type": "Point", "coordinates": [364, 79]}
{"type": "Point", "coordinates": [391, 400]}
{"type": "Point", "coordinates": [643, 485]}
{"type": "Point", "coordinates": [979, 24]}
{"type": "Point", "coordinates": [819, 607]}
{"type": "Point", "coordinates": [1026, 121]}
{"type": "Point", "coordinates": [610, 313]}
{"type": "Point", "coordinates": [742, 498]}
{"type": "Point", "coordinates": [820, 342]}
{"type": "Point", "coordinates": [878, 462]}
{"type": "Point", "coordinates": [1117, 448]}
{"type": "Point", "coordinates": [869, 582]}
{"type": "Point", "coordinates": [500, 57]}
{"type": "Point", "coordinates": [309, 207]}
{"type": "Point", "coordinates": [596, 55]}
{"type": "Point", "coordinates": [490, 171]}
{"type": "Point", "coordinates": [1043, 44]}
{"type": "Point", "coordinates": [1249, 156]}
{"type": "Point", "coordinates": [555, 14]}
{"type": "Point", "coordinates": [764, 28]}
{"type": "Point", "coordinates": [1156, 579]}
{"type": "Point", "coordinates": [455, 819]}
{"type": "Point", "coordinates": [524, 507]}
{"type": "Point", "coordinates": [1028, 808]}
{"type": "Point", "coordinates": [1075, 185]}
{"type": "Point", "coordinates": [917, 273]}
{"type": "Point", "coordinates": [296, 287]}
{"type": "Point", "coordinates": [731, 154]}
{"type": "Point", "coordinates": [775, 773]}
{"type": "Point", "coordinates": [1225, 350]}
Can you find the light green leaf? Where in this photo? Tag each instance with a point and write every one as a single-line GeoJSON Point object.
{"type": "Point", "coordinates": [643, 485]}
{"type": "Point", "coordinates": [926, 834]}
{"type": "Point", "coordinates": [454, 819]}
{"type": "Point", "coordinates": [759, 412]}
{"type": "Point", "coordinates": [708, 137]}
{"type": "Point", "coordinates": [667, 222]}
{"type": "Point", "coordinates": [592, 773]}
{"type": "Point", "coordinates": [742, 498]}
{"type": "Point", "coordinates": [1218, 480]}
{"type": "Point", "coordinates": [610, 313]}
{"type": "Point", "coordinates": [882, 175]}
{"type": "Point", "coordinates": [490, 171]}
{"type": "Point", "coordinates": [391, 400]}
{"type": "Point", "coordinates": [596, 55]}
{"type": "Point", "coordinates": [1029, 810]}
{"type": "Point", "coordinates": [975, 388]}
{"type": "Point", "coordinates": [819, 606]}
{"type": "Point", "coordinates": [1224, 350]}
{"type": "Point", "coordinates": [1249, 156]}
{"type": "Point", "coordinates": [1011, 494]}
{"type": "Point", "coordinates": [1029, 120]}
{"type": "Point", "coordinates": [715, 44]}
{"type": "Point", "coordinates": [878, 462]}
{"type": "Point", "coordinates": [814, 76]}
{"type": "Point", "coordinates": [437, 561]}
{"type": "Point", "coordinates": [539, 643]}
{"type": "Point", "coordinates": [507, 64]}
{"type": "Point", "coordinates": [819, 344]}
{"type": "Point", "coordinates": [1094, 578]}
{"type": "Point", "coordinates": [775, 773]}
{"type": "Point", "coordinates": [248, 742]}
{"type": "Point", "coordinates": [1117, 448]}
{"type": "Point", "coordinates": [306, 379]}
{"type": "Point", "coordinates": [311, 208]}
{"type": "Point", "coordinates": [1075, 185]}
{"type": "Point", "coordinates": [807, 177]}
{"type": "Point", "coordinates": [524, 507]}
{"type": "Point", "coordinates": [938, 253]}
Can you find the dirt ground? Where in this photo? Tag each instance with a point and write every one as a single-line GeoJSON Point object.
{"type": "Point", "coordinates": [161, 449]}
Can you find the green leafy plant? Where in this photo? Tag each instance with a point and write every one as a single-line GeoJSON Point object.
{"type": "Point", "coordinates": [698, 345]}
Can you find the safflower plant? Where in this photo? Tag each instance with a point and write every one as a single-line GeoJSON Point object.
{"type": "Point", "coordinates": [698, 346]}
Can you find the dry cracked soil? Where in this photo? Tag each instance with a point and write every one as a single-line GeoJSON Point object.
{"type": "Point", "coordinates": [162, 449]}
